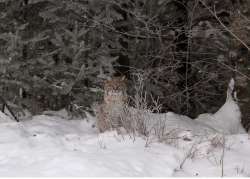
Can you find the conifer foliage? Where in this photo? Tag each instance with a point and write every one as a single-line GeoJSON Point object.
{"type": "Point", "coordinates": [56, 53]}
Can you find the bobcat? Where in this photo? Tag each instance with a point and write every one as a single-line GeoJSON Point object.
{"type": "Point", "coordinates": [115, 98]}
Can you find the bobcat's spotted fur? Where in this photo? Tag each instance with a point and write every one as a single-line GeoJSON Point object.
{"type": "Point", "coordinates": [115, 98]}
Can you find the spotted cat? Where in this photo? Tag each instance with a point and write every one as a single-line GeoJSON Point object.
{"type": "Point", "coordinates": [115, 98]}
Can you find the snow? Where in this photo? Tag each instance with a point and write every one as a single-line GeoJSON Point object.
{"type": "Point", "coordinates": [4, 118]}
{"type": "Point", "coordinates": [209, 163]}
{"type": "Point", "coordinates": [57, 147]}
{"type": "Point", "coordinates": [227, 119]}
{"type": "Point", "coordinates": [52, 146]}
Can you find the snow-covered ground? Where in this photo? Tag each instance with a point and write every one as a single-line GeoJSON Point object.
{"type": "Point", "coordinates": [51, 145]}
{"type": "Point", "coordinates": [54, 146]}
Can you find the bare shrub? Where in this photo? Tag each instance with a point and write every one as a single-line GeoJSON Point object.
{"type": "Point", "coordinates": [135, 119]}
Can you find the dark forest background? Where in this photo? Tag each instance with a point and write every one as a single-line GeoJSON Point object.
{"type": "Point", "coordinates": [56, 54]}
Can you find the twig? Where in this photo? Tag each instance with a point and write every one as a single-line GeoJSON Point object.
{"type": "Point", "coordinates": [224, 26]}
{"type": "Point", "coordinates": [189, 154]}
{"type": "Point", "coordinates": [222, 158]}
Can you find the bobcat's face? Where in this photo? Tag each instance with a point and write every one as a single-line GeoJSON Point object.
{"type": "Point", "coordinates": [115, 91]}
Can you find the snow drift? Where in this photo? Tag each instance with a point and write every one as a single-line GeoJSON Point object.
{"type": "Point", "coordinates": [57, 147]}
{"type": "Point", "coordinates": [227, 120]}
{"type": "Point", "coordinates": [4, 118]}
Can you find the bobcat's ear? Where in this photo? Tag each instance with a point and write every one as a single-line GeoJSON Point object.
{"type": "Point", "coordinates": [123, 78]}
{"type": "Point", "coordinates": [108, 78]}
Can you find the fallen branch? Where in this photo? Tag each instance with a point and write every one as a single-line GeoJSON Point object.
{"type": "Point", "coordinates": [5, 105]}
